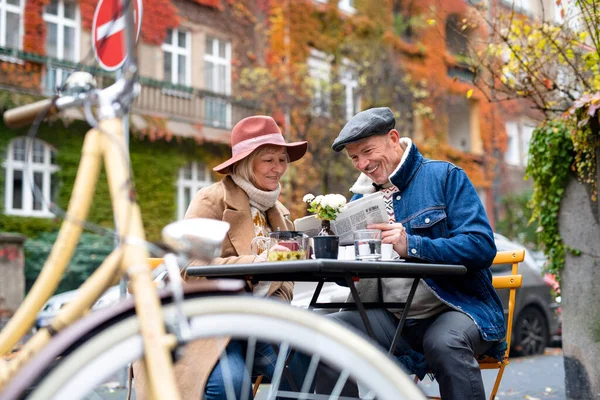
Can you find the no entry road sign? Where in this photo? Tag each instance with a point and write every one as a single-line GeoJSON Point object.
{"type": "Point", "coordinates": [108, 32]}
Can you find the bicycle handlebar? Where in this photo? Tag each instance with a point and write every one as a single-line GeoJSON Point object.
{"type": "Point", "coordinates": [26, 114]}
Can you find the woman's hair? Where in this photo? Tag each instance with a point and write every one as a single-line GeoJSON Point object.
{"type": "Point", "coordinates": [243, 168]}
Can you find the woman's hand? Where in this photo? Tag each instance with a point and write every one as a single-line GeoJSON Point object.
{"type": "Point", "coordinates": [262, 257]}
{"type": "Point", "coordinates": [395, 234]}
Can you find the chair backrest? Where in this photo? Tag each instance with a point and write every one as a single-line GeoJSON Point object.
{"type": "Point", "coordinates": [154, 262]}
{"type": "Point", "coordinates": [511, 282]}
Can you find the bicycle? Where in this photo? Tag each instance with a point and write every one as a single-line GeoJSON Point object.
{"type": "Point", "coordinates": [70, 356]}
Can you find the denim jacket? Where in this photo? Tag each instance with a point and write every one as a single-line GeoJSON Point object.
{"type": "Point", "coordinates": [446, 223]}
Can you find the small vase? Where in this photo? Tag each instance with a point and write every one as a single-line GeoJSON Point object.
{"type": "Point", "coordinates": [326, 243]}
{"type": "Point", "coordinates": [326, 228]}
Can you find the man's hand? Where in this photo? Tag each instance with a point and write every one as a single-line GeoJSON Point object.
{"type": "Point", "coordinates": [394, 234]}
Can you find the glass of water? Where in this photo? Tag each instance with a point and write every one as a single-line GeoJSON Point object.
{"type": "Point", "coordinates": [367, 245]}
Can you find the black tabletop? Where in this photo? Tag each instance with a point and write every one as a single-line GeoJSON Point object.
{"type": "Point", "coordinates": [314, 270]}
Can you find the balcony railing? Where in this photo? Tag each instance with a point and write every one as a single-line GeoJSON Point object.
{"type": "Point", "coordinates": [35, 75]}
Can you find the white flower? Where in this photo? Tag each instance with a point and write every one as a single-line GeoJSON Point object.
{"type": "Point", "coordinates": [338, 200]}
{"type": "Point", "coordinates": [308, 197]}
{"type": "Point", "coordinates": [319, 199]}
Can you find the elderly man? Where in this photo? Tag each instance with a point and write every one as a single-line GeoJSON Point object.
{"type": "Point", "coordinates": [435, 216]}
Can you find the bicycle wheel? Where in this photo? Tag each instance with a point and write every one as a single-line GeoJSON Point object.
{"type": "Point", "coordinates": [83, 367]}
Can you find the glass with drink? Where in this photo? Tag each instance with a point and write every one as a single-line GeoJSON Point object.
{"type": "Point", "coordinates": [367, 245]}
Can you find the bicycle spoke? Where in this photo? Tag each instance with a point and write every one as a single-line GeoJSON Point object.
{"type": "Point", "coordinates": [247, 381]}
{"type": "Point", "coordinates": [309, 377]}
{"type": "Point", "coordinates": [279, 366]}
{"type": "Point", "coordinates": [227, 378]}
{"type": "Point", "coordinates": [339, 386]}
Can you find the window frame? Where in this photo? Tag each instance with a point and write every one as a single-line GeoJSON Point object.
{"type": "Point", "coordinates": [62, 22]}
{"type": "Point", "coordinates": [216, 61]}
{"type": "Point", "coordinates": [46, 168]}
{"type": "Point", "coordinates": [194, 184]}
{"type": "Point", "coordinates": [345, 6]}
{"type": "Point", "coordinates": [174, 51]}
{"type": "Point", "coordinates": [319, 70]}
{"type": "Point", "coordinates": [6, 8]}
{"type": "Point", "coordinates": [349, 80]}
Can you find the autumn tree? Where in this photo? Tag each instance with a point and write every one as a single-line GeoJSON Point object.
{"type": "Point", "coordinates": [315, 106]}
{"type": "Point", "coordinates": [552, 63]}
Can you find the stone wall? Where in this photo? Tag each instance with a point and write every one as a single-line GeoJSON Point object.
{"type": "Point", "coordinates": [12, 277]}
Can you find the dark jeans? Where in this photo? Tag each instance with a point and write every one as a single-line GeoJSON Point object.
{"type": "Point", "coordinates": [230, 377]}
{"type": "Point", "coordinates": [450, 341]}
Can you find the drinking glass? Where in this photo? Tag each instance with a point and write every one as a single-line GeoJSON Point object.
{"type": "Point", "coordinates": [367, 245]}
{"type": "Point", "coordinates": [282, 246]}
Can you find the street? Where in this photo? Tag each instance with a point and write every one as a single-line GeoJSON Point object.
{"type": "Point", "coordinates": [530, 378]}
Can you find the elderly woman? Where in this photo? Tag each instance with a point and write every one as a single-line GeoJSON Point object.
{"type": "Point", "coordinates": [246, 198]}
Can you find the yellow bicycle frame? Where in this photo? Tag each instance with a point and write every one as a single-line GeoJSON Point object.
{"type": "Point", "coordinates": [107, 142]}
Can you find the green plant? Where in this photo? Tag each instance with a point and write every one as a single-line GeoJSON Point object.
{"type": "Point", "coordinates": [551, 156]}
{"type": "Point", "coordinates": [89, 254]}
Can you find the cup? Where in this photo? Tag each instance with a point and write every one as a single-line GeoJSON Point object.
{"type": "Point", "coordinates": [282, 246]}
{"type": "Point", "coordinates": [387, 251]}
{"type": "Point", "coordinates": [367, 245]}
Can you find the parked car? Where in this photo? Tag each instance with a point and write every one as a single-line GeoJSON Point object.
{"type": "Point", "coordinates": [56, 302]}
{"type": "Point", "coordinates": [52, 306]}
{"type": "Point", "coordinates": [536, 324]}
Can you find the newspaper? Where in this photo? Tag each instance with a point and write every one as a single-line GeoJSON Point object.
{"type": "Point", "coordinates": [358, 214]}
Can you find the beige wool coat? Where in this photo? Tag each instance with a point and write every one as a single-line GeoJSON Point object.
{"type": "Point", "coordinates": [224, 201]}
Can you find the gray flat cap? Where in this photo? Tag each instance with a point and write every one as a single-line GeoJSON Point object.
{"type": "Point", "coordinates": [374, 121]}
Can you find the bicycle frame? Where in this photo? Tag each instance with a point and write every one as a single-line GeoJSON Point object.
{"type": "Point", "coordinates": [104, 143]}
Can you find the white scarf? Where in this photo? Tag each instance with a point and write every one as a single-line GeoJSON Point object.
{"type": "Point", "coordinates": [261, 199]}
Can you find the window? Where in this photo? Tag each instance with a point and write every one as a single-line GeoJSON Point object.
{"type": "Point", "coordinates": [524, 6]}
{"type": "Point", "coordinates": [519, 135]}
{"type": "Point", "coordinates": [177, 62]}
{"type": "Point", "coordinates": [351, 98]}
{"type": "Point", "coordinates": [11, 27]}
{"type": "Point", "coordinates": [319, 70]}
{"type": "Point", "coordinates": [347, 6]}
{"type": "Point", "coordinates": [526, 132]}
{"type": "Point", "coordinates": [481, 193]}
{"type": "Point", "coordinates": [456, 37]}
{"type": "Point", "coordinates": [19, 199]}
{"type": "Point", "coordinates": [217, 79]}
{"type": "Point", "coordinates": [511, 156]}
{"type": "Point", "coordinates": [62, 39]}
{"type": "Point", "coordinates": [344, 5]}
{"type": "Point", "coordinates": [192, 178]}
{"type": "Point", "coordinates": [459, 123]}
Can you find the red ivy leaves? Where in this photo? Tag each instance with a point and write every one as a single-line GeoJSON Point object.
{"type": "Point", "coordinates": [34, 40]}
{"type": "Point", "coordinates": [159, 15]}
{"type": "Point", "coordinates": [87, 8]}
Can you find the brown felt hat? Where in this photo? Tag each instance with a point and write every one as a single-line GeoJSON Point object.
{"type": "Point", "coordinates": [253, 132]}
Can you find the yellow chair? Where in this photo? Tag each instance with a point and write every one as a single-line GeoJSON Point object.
{"type": "Point", "coordinates": [154, 262]}
{"type": "Point", "coordinates": [510, 282]}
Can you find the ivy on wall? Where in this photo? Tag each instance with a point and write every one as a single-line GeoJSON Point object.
{"type": "Point", "coordinates": [155, 166]}
{"type": "Point", "coordinates": [550, 159]}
